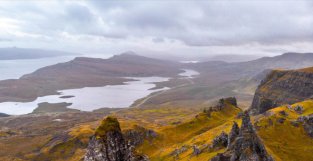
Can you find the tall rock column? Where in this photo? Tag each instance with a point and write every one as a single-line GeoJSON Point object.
{"type": "Point", "coordinates": [108, 144]}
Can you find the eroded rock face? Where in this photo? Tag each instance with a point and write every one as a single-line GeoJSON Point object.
{"type": "Point", "coordinates": [221, 104]}
{"type": "Point", "coordinates": [138, 134]}
{"type": "Point", "coordinates": [234, 132]}
{"type": "Point", "coordinates": [246, 146]}
{"type": "Point", "coordinates": [108, 144]}
{"type": "Point", "coordinates": [220, 141]}
{"type": "Point", "coordinates": [307, 124]}
{"type": "Point", "coordinates": [282, 87]}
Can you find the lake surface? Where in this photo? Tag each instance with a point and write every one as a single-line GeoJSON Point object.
{"type": "Point", "coordinates": [189, 73]}
{"type": "Point", "coordinates": [84, 99]}
{"type": "Point", "coordinates": [91, 98]}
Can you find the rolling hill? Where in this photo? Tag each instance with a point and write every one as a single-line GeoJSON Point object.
{"type": "Point", "coordinates": [84, 72]}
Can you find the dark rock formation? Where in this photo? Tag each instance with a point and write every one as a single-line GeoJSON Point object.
{"type": "Point", "coordinates": [220, 141]}
{"type": "Point", "coordinates": [138, 134]}
{"type": "Point", "coordinates": [196, 150]}
{"type": "Point", "coordinates": [178, 151]}
{"type": "Point", "coordinates": [230, 100]}
{"type": "Point", "coordinates": [283, 113]}
{"type": "Point", "coordinates": [281, 120]}
{"type": "Point", "coordinates": [234, 132]}
{"type": "Point", "coordinates": [283, 87]}
{"type": "Point", "coordinates": [307, 124]}
{"type": "Point", "coordinates": [108, 144]}
{"type": "Point", "coordinates": [299, 109]}
{"type": "Point", "coordinates": [221, 104]}
{"type": "Point", "coordinates": [246, 146]}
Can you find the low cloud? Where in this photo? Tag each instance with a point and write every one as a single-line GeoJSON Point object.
{"type": "Point", "coordinates": [200, 24]}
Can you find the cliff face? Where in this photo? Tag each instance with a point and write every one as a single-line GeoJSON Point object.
{"type": "Point", "coordinates": [283, 87]}
{"type": "Point", "coordinates": [244, 144]}
{"type": "Point", "coordinates": [108, 144]}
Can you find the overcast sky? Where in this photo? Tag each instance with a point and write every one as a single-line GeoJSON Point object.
{"type": "Point", "coordinates": [170, 27]}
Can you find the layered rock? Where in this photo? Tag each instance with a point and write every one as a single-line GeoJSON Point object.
{"type": "Point", "coordinates": [220, 141]}
{"type": "Point", "coordinates": [138, 134]}
{"type": "Point", "coordinates": [307, 124]}
{"type": "Point", "coordinates": [108, 144]}
{"type": "Point", "coordinates": [283, 87]}
{"type": "Point", "coordinates": [234, 132]}
{"type": "Point", "coordinates": [221, 104]}
{"type": "Point", "coordinates": [245, 145]}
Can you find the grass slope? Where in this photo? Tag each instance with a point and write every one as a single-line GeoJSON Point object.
{"type": "Point", "coordinates": [199, 131]}
{"type": "Point", "coordinates": [284, 141]}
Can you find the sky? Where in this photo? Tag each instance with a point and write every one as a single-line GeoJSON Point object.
{"type": "Point", "coordinates": [171, 28]}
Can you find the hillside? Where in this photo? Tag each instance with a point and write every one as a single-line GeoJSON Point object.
{"type": "Point", "coordinates": [83, 72]}
{"type": "Point", "coordinates": [233, 71]}
{"type": "Point", "coordinates": [283, 87]}
{"type": "Point", "coordinates": [287, 133]}
{"type": "Point", "coordinates": [221, 79]}
{"type": "Point", "coordinates": [162, 133]}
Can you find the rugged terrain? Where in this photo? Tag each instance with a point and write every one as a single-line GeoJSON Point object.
{"type": "Point", "coordinates": [283, 87]}
{"type": "Point", "coordinates": [221, 79]}
{"type": "Point", "coordinates": [180, 124]}
{"type": "Point", "coordinates": [217, 79]}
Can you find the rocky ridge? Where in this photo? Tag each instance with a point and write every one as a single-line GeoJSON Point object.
{"type": "Point", "coordinates": [283, 87]}
{"type": "Point", "coordinates": [109, 144]}
{"type": "Point", "coordinates": [243, 144]}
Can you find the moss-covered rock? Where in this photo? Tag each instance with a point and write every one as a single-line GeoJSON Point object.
{"type": "Point", "coordinates": [107, 125]}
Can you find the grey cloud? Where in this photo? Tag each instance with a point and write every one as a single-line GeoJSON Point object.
{"type": "Point", "coordinates": [217, 23]}
{"type": "Point", "coordinates": [195, 23]}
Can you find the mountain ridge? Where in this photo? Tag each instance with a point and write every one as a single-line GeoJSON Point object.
{"type": "Point", "coordinates": [283, 87]}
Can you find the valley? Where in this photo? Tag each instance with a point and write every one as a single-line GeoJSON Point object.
{"type": "Point", "coordinates": [156, 80]}
{"type": "Point", "coordinates": [178, 116]}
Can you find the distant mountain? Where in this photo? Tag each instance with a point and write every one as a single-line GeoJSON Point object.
{"type": "Point", "coordinates": [4, 115]}
{"type": "Point", "coordinates": [234, 58]}
{"type": "Point", "coordinates": [283, 87]}
{"type": "Point", "coordinates": [223, 79]}
{"type": "Point", "coordinates": [237, 70]}
{"type": "Point", "coordinates": [84, 72]}
{"type": "Point", "coordinates": [14, 53]}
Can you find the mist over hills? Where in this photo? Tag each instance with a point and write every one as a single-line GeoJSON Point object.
{"type": "Point", "coordinates": [180, 122]}
{"type": "Point", "coordinates": [15, 53]}
{"type": "Point", "coordinates": [83, 72]}
{"type": "Point", "coordinates": [93, 72]}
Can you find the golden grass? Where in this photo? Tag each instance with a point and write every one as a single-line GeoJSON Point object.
{"type": "Point", "coordinates": [199, 131]}
{"type": "Point", "coordinates": [283, 140]}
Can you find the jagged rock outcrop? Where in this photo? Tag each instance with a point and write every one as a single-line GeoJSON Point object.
{"type": "Point", "coordinates": [234, 132]}
{"type": "Point", "coordinates": [220, 141]}
{"type": "Point", "coordinates": [195, 150]}
{"type": "Point", "coordinates": [108, 144]}
{"type": "Point", "coordinates": [138, 134]}
{"type": "Point", "coordinates": [178, 151]}
{"type": "Point", "coordinates": [307, 124]}
{"type": "Point", "coordinates": [222, 103]}
{"type": "Point", "coordinates": [246, 146]}
{"type": "Point", "coordinates": [283, 87]}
